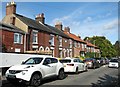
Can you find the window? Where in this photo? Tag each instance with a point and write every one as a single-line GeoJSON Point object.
{"type": "Point", "coordinates": [51, 41]}
{"type": "Point", "coordinates": [60, 41]}
{"type": "Point", "coordinates": [35, 60]}
{"type": "Point", "coordinates": [78, 44]}
{"type": "Point", "coordinates": [17, 38]}
{"type": "Point", "coordinates": [82, 46]}
{"type": "Point", "coordinates": [75, 44]}
{"type": "Point", "coordinates": [53, 60]}
{"type": "Point", "coordinates": [65, 40]}
{"type": "Point", "coordinates": [70, 43]}
{"type": "Point", "coordinates": [75, 60]}
{"type": "Point", "coordinates": [65, 61]}
{"type": "Point", "coordinates": [35, 37]}
{"type": "Point", "coordinates": [50, 60]}
{"type": "Point", "coordinates": [85, 45]}
{"type": "Point", "coordinates": [60, 53]}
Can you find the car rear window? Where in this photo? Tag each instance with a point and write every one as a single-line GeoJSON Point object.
{"type": "Point", "coordinates": [113, 60]}
{"type": "Point", "coordinates": [65, 61]}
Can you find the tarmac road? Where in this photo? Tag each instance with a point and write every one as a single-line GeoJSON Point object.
{"type": "Point", "coordinates": [100, 77]}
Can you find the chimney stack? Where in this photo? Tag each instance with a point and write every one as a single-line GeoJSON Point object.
{"type": "Point", "coordinates": [67, 29]}
{"type": "Point", "coordinates": [58, 25]}
{"type": "Point", "coordinates": [11, 8]}
{"type": "Point", "coordinates": [40, 18]}
{"type": "Point", "coordinates": [79, 36]}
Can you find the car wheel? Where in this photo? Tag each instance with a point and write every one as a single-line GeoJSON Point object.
{"type": "Point", "coordinates": [99, 66]}
{"type": "Point", "coordinates": [94, 67]}
{"type": "Point", "coordinates": [76, 70]}
{"type": "Point", "coordinates": [61, 74]}
{"type": "Point", "coordinates": [86, 68]}
{"type": "Point", "coordinates": [36, 80]}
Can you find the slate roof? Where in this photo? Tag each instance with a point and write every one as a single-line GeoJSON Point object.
{"type": "Point", "coordinates": [39, 26]}
{"type": "Point", "coordinates": [11, 27]}
{"type": "Point", "coordinates": [57, 31]}
{"type": "Point", "coordinates": [33, 24]}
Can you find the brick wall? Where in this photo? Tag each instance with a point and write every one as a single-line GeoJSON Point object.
{"type": "Point", "coordinates": [8, 41]}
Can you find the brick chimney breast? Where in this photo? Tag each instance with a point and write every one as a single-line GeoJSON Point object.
{"type": "Point", "coordinates": [40, 18]}
{"type": "Point", "coordinates": [11, 8]}
{"type": "Point", "coordinates": [58, 25]}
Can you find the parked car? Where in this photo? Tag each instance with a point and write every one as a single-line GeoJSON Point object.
{"type": "Point", "coordinates": [103, 61]}
{"type": "Point", "coordinates": [99, 60]}
{"type": "Point", "coordinates": [106, 60]}
{"type": "Point", "coordinates": [35, 69]}
{"type": "Point", "coordinates": [113, 63]}
{"type": "Point", "coordinates": [74, 65]}
{"type": "Point", "coordinates": [92, 63]}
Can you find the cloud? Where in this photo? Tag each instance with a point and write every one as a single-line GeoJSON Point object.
{"type": "Point", "coordinates": [111, 25]}
{"type": "Point", "coordinates": [98, 24]}
{"type": "Point", "coordinates": [105, 15]}
{"type": "Point", "coordinates": [67, 19]}
{"type": "Point", "coordinates": [88, 19]}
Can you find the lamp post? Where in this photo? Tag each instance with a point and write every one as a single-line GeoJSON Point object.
{"type": "Point", "coordinates": [94, 49]}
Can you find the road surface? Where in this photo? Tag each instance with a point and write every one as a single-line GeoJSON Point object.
{"type": "Point", "coordinates": [99, 77]}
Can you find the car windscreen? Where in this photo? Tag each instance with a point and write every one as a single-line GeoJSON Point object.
{"type": "Point", "coordinates": [65, 61]}
{"type": "Point", "coordinates": [35, 60]}
{"type": "Point", "coordinates": [113, 60]}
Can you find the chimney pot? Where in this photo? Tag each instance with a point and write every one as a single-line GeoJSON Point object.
{"type": "Point", "coordinates": [67, 29]}
{"type": "Point", "coordinates": [40, 18]}
{"type": "Point", "coordinates": [58, 25]}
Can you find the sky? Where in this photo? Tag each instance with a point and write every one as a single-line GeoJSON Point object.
{"type": "Point", "coordinates": [84, 18]}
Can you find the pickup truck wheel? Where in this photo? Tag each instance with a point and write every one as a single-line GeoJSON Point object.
{"type": "Point", "coordinates": [61, 74]}
{"type": "Point", "coordinates": [36, 80]}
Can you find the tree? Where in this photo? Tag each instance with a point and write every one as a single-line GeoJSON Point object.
{"type": "Point", "coordinates": [117, 47]}
{"type": "Point", "coordinates": [106, 48]}
{"type": "Point", "coordinates": [4, 48]}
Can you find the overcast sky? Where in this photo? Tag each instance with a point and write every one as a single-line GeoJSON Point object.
{"type": "Point", "coordinates": [83, 18]}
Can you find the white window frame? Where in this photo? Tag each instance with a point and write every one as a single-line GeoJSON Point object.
{"type": "Point", "coordinates": [70, 43]}
{"type": "Point", "coordinates": [18, 38]}
{"type": "Point", "coordinates": [79, 44]}
{"type": "Point", "coordinates": [60, 41]}
{"type": "Point", "coordinates": [36, 37]}
{"type": "Point", "coordinates": [75, 44]}
{"type": "Point", "coordinates": [52, 39]}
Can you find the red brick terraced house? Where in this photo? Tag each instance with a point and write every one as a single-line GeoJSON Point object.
{"type": "Point", "coordinates": [61, 41]}
{"type": "Point", "coordinates": [39, 37]}
{"type": "Point", "coordinates": [23, 34]}
{"type": "Point", "coordinates": [12, 38]}
{"type": "Point", "coordinates": [77, 45]}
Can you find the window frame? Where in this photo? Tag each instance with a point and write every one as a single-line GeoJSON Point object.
{"type": "Point", "coordinates": [35, 34]}
{"type": "Point", "coordinates": [19, 38]}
